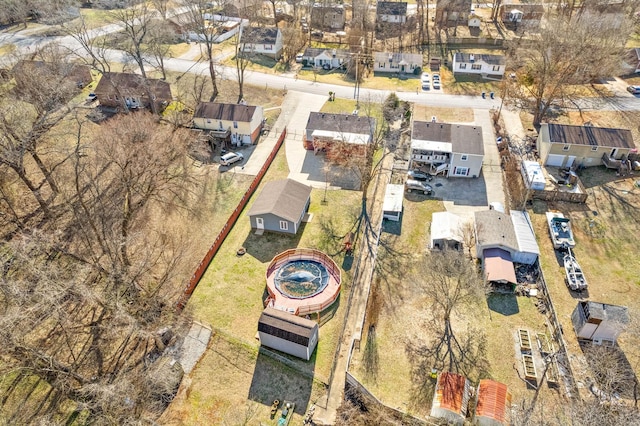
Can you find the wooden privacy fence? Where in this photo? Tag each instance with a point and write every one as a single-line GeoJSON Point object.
{"type": "Point", "coordinates": [204, 264]}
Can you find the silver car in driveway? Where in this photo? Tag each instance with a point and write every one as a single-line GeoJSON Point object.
{"type": "Point", "coordinates": [415, 185]}
{"type": "Point", "coordinates": [230, 158]}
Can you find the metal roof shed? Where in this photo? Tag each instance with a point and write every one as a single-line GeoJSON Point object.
{"type": "Point", "coordinates": [498, 266]}
{"type": "Point", "coordinates": [451, 398]}
{"type": "Point", "coordinates": [446, 231]}
{"type": "Point", "coordinates": [533, 175]}
{"type": "Point", "coordinates": [494, 404]}
{"type": "Point", "coordinates": [392, 206]}
{"type": "Point", "coordinates": [288, 333]}
{"type": "Point", "coordinates": [528, 250]}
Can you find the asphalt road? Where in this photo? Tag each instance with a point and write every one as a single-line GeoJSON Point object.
{"type": "Point", "coordinates": [26, 42]}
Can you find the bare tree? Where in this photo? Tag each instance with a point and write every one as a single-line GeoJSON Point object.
{"type": "Point", "coordinates": [450, 282]}
{"type": "Point", "coordinates": [241, 60]}
{"type": "Point", "coordinates": [207, 34]}
{"type": "Point", "coordinates": [550, 67]}
{"type": "Point", "coordinates": [162, 6]}
{"type": "Point", "coordinates": [93, 47]}
{"type": "Point", "coordinates": [135, 23]}
{"type": "Point", "coordinates": [159, 44]}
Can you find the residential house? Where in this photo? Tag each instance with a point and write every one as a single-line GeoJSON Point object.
{"type": "Point", "coordinates": [262, 40]}
{"type": "Point", "coordinates": [474, 20]}
{"type": "Point", "coordinates": [493, 404]}
{"type": "Point", "coordinates": [328, 17]}
{"type": "Point", "coordinates": [521, 15]}
{"type": "Point", "coordinates": [392, 205]}
{"type": "Point", "coordinates": [562, 145]}
{"type": "Point", "coordinates": [488, 66]}
{"type": "Point", "coordinates": [59, 73]}
{"type": "Point", "coordinates": [287, 333]}
{"type": "Point", "coordinates": [599, 322]}
{"type": "Point", "coordinates": [220, 27]}
{"type": "Point", "coordinates": [449, 11]}
{"type": "Point", "coordinates": [237, 123]}
{"type": "Point", "coordinates": [456, 150]}
{"type": "Point", "coordinates": [117, 89]}
{"type": "Point", "coordinates": [451, 398]}
{"type": "Point", "coordinates": [280, 207]}
{"type": "Point", "coordinates": [446, 231]}
{"type": "Point", "coordinates": [387, 62]}
{"type": "Point", "coordinates": [339, 135]}
{"type": "Point", "coordinates": [389, 12]}
{"type": "Point", "coordinates": [324, 58]}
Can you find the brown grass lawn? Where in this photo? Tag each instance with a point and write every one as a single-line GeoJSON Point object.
{"type": "Point", "coordinates": [447, 115]}
{"type": "Point", "coordinates": [234, 384]}
{"type": "Point", "coordinates": [230, 298]}
{"type": "Point", "coordinates": [606, 231]}
{"type": "Point", "coordinates": [466, 84]}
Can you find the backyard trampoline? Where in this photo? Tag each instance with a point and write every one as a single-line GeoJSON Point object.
{"type": "Point", "coordinates": [302, 281]}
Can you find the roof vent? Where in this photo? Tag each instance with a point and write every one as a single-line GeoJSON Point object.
{"type": "Point", "coordinates": [433, 119]}
{"type": "Point", "coordinates": [472, 58]}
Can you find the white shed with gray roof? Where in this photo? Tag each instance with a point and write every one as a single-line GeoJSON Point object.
{"type": "Point", "coordinates": [392, 206]}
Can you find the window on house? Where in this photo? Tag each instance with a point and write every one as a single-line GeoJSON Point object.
{"type": "Point", "coordinates": [594, 148]}
{"type": "Point", "coordinates": [382, 64]}
{"type": "Point", "coordinates": [235, 124]}
{"type": "Point", "coordinates": [268, 47]}
{"type": "Point", "coordinates": [496, 67]}
{"type": "Point", "coordinates": [565, 148]}
{"type": "Point", "coordinates": [464, 157]}
{"type": "Point", "coordinates": [476, 66]}
{"type": "Point", "coordinates": [284, 225]}
{"type": "Point", "coordinates": [461, 171]}
{"type": "Point", "coordinates": [463, 66]}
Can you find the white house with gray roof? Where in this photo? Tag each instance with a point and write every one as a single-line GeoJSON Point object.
{"type": "Point", "coordinates": [324, 58]}
{"type": "Point", "coordinates": [393, 62]}
{"type": "Point", "coordinates": [262, 40]}
{"type": "Point", "coordinates": [456, 150]}
{"type": "Point", "coordinates": [487, 66]}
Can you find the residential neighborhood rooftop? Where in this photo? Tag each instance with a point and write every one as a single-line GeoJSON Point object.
{"type": "Point", "coordinates": [486, 58]}
{"type": "Point", "coordinates": [494, 228]}
{"type": "Point", "coordinates": [257, 35]}
{"type": "Point", "coordinates": [130, 84]}
{"type": "Point", "coordinates": [463, 138]}
{"type": "Point", "coordinates": [391, 8]}
{"type": "Point", "coordinates": [219, 111]}
{"type": "Point", "coordinates": [285, 198]}
{"type": "Point", "coordinates": [589, 135]}
{"type": "Point", "coordinates": [341, 123]}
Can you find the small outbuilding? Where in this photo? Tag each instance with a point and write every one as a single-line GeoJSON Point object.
{"type": "Point", "coordinates": [528, 250]}
{"type": "Point", "coordinates": [451, 398]}
{"type": "Point", "coordinates": [280, 207]}
{"type": "Point", "coordinates": [288, 333]}
{"type": "Point", "coordinates": [392, 206]}
{"type": "Point", "coordinates": [498, 267]}
{"type": "Point", "coordinates": [533, 175]}
{"type": "Point", "coordinates": [493, 404]}
{"type": "Point", "coordinates": [599, 322]}
{"type": "Point", "coordinates": [446, 231]}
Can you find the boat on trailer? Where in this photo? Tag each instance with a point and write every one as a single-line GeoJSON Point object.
{"type": "Point", "coordinates": [574, 276]}
{"type": "Point", "coordinates": [560, 231]}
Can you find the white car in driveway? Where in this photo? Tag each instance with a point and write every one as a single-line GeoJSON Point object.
{"type": "Point", "coordinates": [425, 80]}
{"type": "Point", "coordinates": [231, 158]}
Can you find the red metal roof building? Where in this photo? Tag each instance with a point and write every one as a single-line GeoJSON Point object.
{"type": "Point", "coordinates": [451, 398]}
{"type": "Point", "coordinates": [493, 405]}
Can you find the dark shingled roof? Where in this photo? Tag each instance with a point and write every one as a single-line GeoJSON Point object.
{"type": "Point", "coordinates": [464, 139]}
{"type": "Point", "coordinates": [284, 198]}
{"type": "Point", "coordinates": [588, 135]}
{"type": "Point", "coordinates": [495, 228]}
{"type": "Point", "coordinates": [258, 35]}
{"type": "Point", "coordinates": [346, 123]}
{"type": "Point", "coordinates": [487, 59]}
{"type": "Point", "coordinates": [286, 326]}
{"type": "Point", "coordinates": [132, 84]}
{"type": "Point", "coordinates": [230, 112]}
{"type": "Point", "coordinates": [391, 8]}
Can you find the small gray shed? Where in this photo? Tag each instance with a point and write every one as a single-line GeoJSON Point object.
{"type": "Point", "coordinates": [599, 322]}
{"type": "Point", "coordinates": [280, 207]}
{"type": "Point", "coordinates": [288, 333]}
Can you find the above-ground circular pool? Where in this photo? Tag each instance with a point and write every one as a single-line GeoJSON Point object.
{"type": "Point", "coordinates": [302, 281]}
{"type": "Point", "coordinates": [299, 279]}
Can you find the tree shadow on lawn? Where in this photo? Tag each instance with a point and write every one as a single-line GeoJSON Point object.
{"type": "Point", "coordinates": [505, 304]}
{"type": "Point", "coordinates": [274, 380]}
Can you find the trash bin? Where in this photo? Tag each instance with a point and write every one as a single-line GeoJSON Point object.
{"type": "Point", "coordinates": [484, 95]}
{"type": "Point", "coordinates": [491, 95]}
